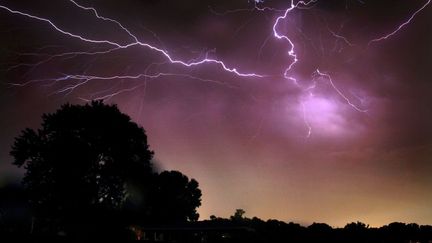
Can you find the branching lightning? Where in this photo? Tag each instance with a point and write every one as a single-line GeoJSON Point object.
{"type": "Point", "coordinates": [325, 75]}
{"type": "Point", "coordinates": [108, 46]}
{"type": "Point", "coordinates": [117, 46]}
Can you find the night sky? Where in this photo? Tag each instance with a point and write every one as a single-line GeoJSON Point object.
{"type": "Point", "coordinates": [300, 147]}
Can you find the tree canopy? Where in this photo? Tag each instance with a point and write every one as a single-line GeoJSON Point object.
{"type": "Point", "coordinates": [175, 197]}
{"type": "Point", "coordinates": [81, 157]}
{"type": "Point", "coordinates": [87, 161]}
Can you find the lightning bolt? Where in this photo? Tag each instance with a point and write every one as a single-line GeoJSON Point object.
{"type": "Point", "coordinates": [306, 120]}
{"type": "Point", "coordinates": [276, 34]}
{"type": "Point", "coordinates": [256, 7]}
{"type": "Point", "coordinates": [348, 101]}
{"type": "Point", "coordinates": [136, 42]}
{"type": "Point", "coordinates": [293, 55]}
{"type": "Point", "coordinates": [401, 26]}
{"type": "Point", "coordinates": [110, 46]}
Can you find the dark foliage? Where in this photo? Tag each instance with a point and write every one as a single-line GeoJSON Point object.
{"type": "Point", "coordinates": [81, 157]}
{"type": "Point", "coordinates": [238, 229]}
{"type": "Point", "coordinates": [176, 198]}
{"type": "Point", "coordinates": [78, 163]}
{"type": "Point", "coordinates": [89, 174]}
{"type": "Point", "coordinates": [169, 197]}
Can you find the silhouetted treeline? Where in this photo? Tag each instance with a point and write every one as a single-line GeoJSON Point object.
{"type": "Point", "coordinates": [258, 230]}
{"type": "Point", "coordinates": [16, 222]}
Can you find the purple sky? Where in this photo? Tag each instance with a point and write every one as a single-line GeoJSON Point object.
{"type": "Point", "coordinates": [246, 139]}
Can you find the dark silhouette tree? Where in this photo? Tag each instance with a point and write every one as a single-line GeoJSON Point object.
{"type": "Point", "coordinates": [238, 214]}
{"type": "Point", "coordinates": [358, 231]}
{"type": "Point", "coordinates": [255, 230]}
{"type": "Point", "coordinates": [175, 198]}
{"type": "Point", "coordinates": [356, 227]}
{"type": "Point", "coordinates": [79, 163]}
